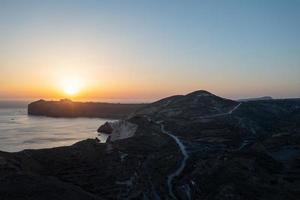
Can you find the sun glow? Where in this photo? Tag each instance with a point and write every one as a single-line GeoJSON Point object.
{"type": "Point", "coordinates": [71, 90]}
{"type": "Point", "coordinates": [71, 87]}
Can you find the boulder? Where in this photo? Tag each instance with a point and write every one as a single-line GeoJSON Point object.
{"type": "Point", "coordinates": [105, 128]}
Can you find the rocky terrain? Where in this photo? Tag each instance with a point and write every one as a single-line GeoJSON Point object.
{"type": "Point", "coordinates": [68, 108]}
{"type": "Point", "coordinates": [194, 146]}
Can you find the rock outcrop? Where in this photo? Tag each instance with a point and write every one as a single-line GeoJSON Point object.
{"type": "Point", "coordinates": [118, 130]}
{"type": "Point", "coordinates": [105, 128]}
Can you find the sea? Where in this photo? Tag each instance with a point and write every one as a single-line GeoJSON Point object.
{"type": "Point", "coordinates": [19, 131]}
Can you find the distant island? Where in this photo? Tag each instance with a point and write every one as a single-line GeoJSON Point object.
{"type": "Point", "coordinates": [256, 99]}
{"type": "Point", "coordinates": [68, 108]}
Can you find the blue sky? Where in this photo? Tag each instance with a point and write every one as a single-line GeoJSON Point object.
{"type": "Point", "coordinates": [155, 48]}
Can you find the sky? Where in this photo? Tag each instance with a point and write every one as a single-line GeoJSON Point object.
{"type": "Point", "coordinates": [145, 50]}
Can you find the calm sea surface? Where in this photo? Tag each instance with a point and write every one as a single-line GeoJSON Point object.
{"type": "Point", "coordinates": [19, 131]}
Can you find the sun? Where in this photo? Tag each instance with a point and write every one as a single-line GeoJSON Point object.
{"type": "Point", "coordinates": [71, 90]}
{"type": "Point", "coordinates": [71, 87]}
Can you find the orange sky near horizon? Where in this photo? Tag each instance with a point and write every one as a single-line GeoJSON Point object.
{"type": "Point", "coordinates": [42, 76]}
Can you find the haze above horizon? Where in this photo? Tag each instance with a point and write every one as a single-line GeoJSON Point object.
{"type": "Point", "coordinates": [89, 50]}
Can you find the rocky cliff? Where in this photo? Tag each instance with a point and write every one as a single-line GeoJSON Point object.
{"type": "Point", "coordinates": [194, 146]}
{"type": "Point", "coordinates": [118, 130]}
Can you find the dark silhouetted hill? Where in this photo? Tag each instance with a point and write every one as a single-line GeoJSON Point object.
{"type": "Point", "coordinates": [194, 146]}
{"type": "Point", "coordinates": [68, 108]}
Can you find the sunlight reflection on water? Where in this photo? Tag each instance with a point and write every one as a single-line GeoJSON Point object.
{"type": "Point", "coordinates": [19, 131]}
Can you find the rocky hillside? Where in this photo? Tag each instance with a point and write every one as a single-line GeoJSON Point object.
{"type": "Point", "coordinates": [194, 146]}
{"type": "Point", "coordinates": [191, 106]}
